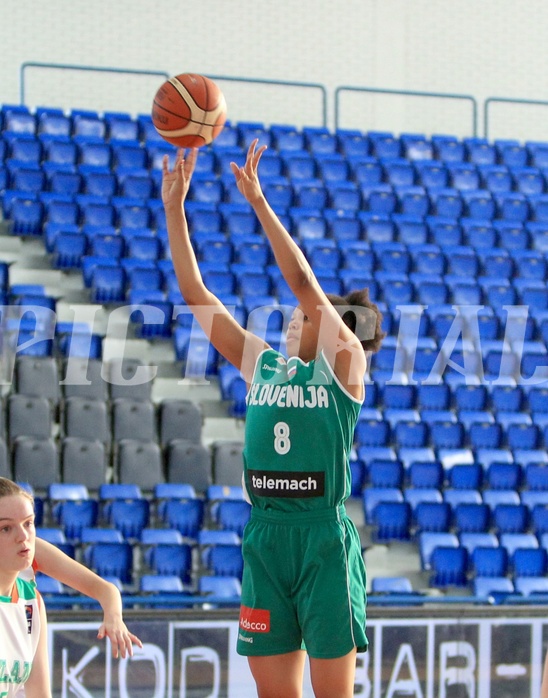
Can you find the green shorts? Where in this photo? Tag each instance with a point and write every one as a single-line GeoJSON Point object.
{"type": "Point", "coordinates": [303, 585]}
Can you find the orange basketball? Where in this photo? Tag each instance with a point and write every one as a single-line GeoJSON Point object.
{"type": "Point", "coordinates": [189, 110]}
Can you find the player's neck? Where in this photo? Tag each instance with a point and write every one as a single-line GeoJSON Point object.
{"type": "Point", "coordinates": [7, 584]}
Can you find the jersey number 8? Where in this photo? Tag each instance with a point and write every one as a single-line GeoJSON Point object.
{"type": "Point", "coordinates": [282, 444]}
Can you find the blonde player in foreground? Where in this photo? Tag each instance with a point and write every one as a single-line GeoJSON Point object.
{"type": "Point", "coordinates": [23, 624]}
{"type": "Point", "coordinates": [303, 587]}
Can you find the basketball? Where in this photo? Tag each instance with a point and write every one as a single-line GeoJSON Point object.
{"type": "Point", "coordinates": [189, 110]}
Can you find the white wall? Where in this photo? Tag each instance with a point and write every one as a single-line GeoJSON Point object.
{"type": "Point", "coordinates": [482, 48]}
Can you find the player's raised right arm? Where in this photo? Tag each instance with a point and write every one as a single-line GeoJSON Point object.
{"type": "Point", "coordinates": [238, 346]}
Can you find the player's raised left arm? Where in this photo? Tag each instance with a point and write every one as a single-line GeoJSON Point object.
{"type": "Point", "coordinates": [341, 345]}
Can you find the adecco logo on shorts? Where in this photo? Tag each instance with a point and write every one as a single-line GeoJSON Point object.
{"type": "Point", "coordinates": [254, 620]}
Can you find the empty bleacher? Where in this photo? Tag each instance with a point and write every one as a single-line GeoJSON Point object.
{"type": "Point", "coordinates": [449, 235]}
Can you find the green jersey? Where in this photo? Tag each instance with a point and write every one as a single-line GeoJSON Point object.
{"type": "Point", "coordinates": [299, 432]}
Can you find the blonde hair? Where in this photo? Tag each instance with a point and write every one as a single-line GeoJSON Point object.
{"type": "Point", "coordinates": [8, 488]}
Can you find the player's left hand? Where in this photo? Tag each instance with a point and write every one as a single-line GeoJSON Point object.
{"type": "Point", "coordinates": [121, 639]}
{"type": "Point", "coordinates": [247, 178]}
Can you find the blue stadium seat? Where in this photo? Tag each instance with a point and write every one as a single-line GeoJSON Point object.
{"type": "Point", "coordinates": [130, 517]}
{"type": "Point", "coordinates": [494, 498]}
{"type": "Point", "coordinates": [536, 477]}
{"type": "Point", "coordinates": [66, 182]}
{"type": "Point", "coordinates": [60, 151]}
{"type": "Point", "coordinates": [137, 185]}
{"type": "Point", "coordinates": [432, 516]}
{"type": "Point", "coordinates": [506, 397]}
{"type": "Point", "coordinates": [344, 196]}
{"type": "Point", "coordinates": [384, 144]}
{"type": "Point", "coordinates": [391, 521]}
{"type": "Point", "coordinates": [75, 514]}
{"type": "Point", "coordinates": [24, 148]}
{"type": "Point", "coordinates": [366, 171]}
{"type": "Point", "coordinates": [513, 541]}
{"type": "Point", "coordinates": [529, 562]}
{"type": "Point", "coordinates": [524, 436]}
{"type": "Point", "coordinates": [511, 152]}
{"type": "Point", "coordinates": [528, 180]}
{"type": "Point", "coordinates": [530, 586]}
{"type": "Point", "coordinates": [170, 559]}
{"type": "Point", "coordinates": [416, 147]}
{"type": "Point", "coordinates": [27, 179]}
{"type": "Point", "coordinates": [220, 586]}
{"type": "Point", "coordinates": [410, 434]}
{"type": "Point", "coordinates": [470, 517]}
{"type": "Point", "coordinates": [493, 587]}
{"type": "Point", "coordinates": [380, 199]}
{"type": "Point", "coordinates": [514, 235]}
{"type": "Point", "coordinates": [68, 250]}
{"type": "Point", "coordinates": [87, 124]}
{"type": "Point", "coordinates": [223, 560]}
{"type": "Point", "coordinates": [99, 183]}
{"type": "Point", "coordinates": [429, 474]}
{"type": "Point", "coordinates": [449, 567]}
{"type": "Point", "coordinates": [432, 174]}
{"type": "Point", "coordinates": [539, 520]}
{"type": "Point", "coordinates": [484, 434]}
{"type": "Point", "coordinates": [107, 245]}
{"type": "Point", "coordinates": [121, 127]}
{"type": "Point", "coordinates": [186, 516]}
{"type": "Point", "coordinates": [503, 476]}
{"type": "Point", "coordinates": [26, 217]}
{"type": "Point", "coordinates": [530, 264]}
{"type": "Point", "coordinates": [489, 562]}
{"type": "Point", "coordinates": [428, 541]}
{"type": "Point", "coordinates": [332, 167]}
{"type": "Point", "coordinates": [232, 515]}
{"type": "Point", "coordinates": [111, 560]}
{"type": "Point", "coordinates": [352, 143]}
{"type": "Point", "coordinates": [163, 584]}
{"type": "Point", "coordinates": [385, 473]}
{"type": "Point", "coordinates": [513, 206]}
{"type": "Point", "coordinates": [372, 432]}
{"type": "Point", "coordinates": [510, 518]}
{"type": "Point", "coordinates": [108, 284]}
{"type": "Point", "coordinates": [447, 434]}
{"type": "Point", "coordinates": [433, 396]}
{"type": "Point", "coordinates": [52, 123]}
{"type": "Point", "coordinates": [463, 176]}
{"type": "Point", "coordinates": [372, 496]}
{"type": "Point", "coordinates": [471, 541]}
{"type": "Point", "coordinates": [418, 495]}
{"type": "Point", "coordinates": [398, 172]}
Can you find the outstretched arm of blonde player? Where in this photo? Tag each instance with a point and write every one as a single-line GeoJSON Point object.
{"type": "Point", "coordinates": [55, 563]}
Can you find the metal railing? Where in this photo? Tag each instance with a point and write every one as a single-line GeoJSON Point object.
{"type": "Point", "coordinates": [282, 83]}
{"type": "Point", "coordinates": [506, 100]}
{"type": "Point", "coordinates": [25, 67]}
{"type": "Point", "coordinates": [407, 93]}
{"type": "Point", "coordinates": [189, 601]}
{"type": "Point", "coordinates": [86, 68]}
